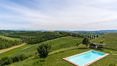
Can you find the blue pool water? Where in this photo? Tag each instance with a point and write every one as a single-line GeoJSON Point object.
{"type": "Point", "coordinates": [85, 58]}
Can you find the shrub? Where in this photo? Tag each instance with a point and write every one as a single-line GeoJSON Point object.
{"type": "Point", "coordinates": [43, 50]}
{"type": "Point", "coordinates": [9, 60]}
{"type": "Point", "coordinates": [5, 43]}
{"type": "Point", "coordinates": [86, 41]}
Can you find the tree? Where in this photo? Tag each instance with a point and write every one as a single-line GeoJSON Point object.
{"type": "Point", "coordinates": [43, 50]}
{"type": "Point", "coordinates": [86, 41]}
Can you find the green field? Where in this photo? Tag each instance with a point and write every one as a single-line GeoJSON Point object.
{"type": "Point", "coordinates": [13, 51]}
{"type": "Point", "coordinates": [9, 38]}
{"type": "Point", "coordinates": [64, 47]}
{"type": "Point", "coordinates": [109, 39]}
{"type": "Point", "coordinates": [6, 42]}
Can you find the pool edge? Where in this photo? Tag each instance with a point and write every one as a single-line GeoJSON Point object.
{"type": "Point", "coordinates": [97, 59]}
{"type": "Point", "coordinates": [70, 62]}
{"type": "Point", "coordinates": [106, 54]}
{"type": "Point", "coordinates": [74, 55]}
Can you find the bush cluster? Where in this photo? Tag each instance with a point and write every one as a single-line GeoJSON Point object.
{"type": "Point", "coordinates": [5, 43]}
{"type": "Point", "coordinates": [43, 50]}
{"type": "Point", "coordinates": [9, 60]}
{"type": "Point", "coordinates": [37, 37]}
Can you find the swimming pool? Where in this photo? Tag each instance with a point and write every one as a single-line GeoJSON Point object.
{"type": "Point", "coordinates": [86, 58]}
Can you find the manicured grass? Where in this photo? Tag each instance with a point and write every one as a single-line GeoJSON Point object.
{"type": "Point", "coordinates": [56, 59]}
{"type": "Point", "coordinates": [58, 44]}
{"type": "Point", "coordinates": [59, 51]}
{"type": "Point", "coordinates": [51, 60]}
{"type": "Point", "coordinates": [111, 47]}
{"type": "Point", "coordinates": [110, 59]}
{"type": "Point", "coordinates": [63, 42]}
{"type": "Point", "coordinates": [109, 39]}
{"type": "Point", "coordinates": [55, 43]}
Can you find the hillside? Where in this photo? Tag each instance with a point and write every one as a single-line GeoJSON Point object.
{"type": "Point", "coordinates": [6, 42]}
{"type": "Point", "coordinates": [57, 44]}
{"type": "Point", "coordinates": [64, 47]}
{"type": "Point", "coordinates": [34, 37]}
{"type": "Point", "coordinates": [110, 39]}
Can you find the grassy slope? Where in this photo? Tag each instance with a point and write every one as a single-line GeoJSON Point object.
{"type": "Point", "coordinates": [109, 39]}
{"type": "Point", "coordinates": [7, 42]}
{"type": "Point", "coordinates": [57, 44]}
{"type": "Point", "coordinates": [111, 47]}
{"type": "Point", "coordinates": [11, 48]}
{"type": "Point", "coordinates": [56, 59]}
{"type": "Point", "coordinates": [52, 60]}
{"type": "Point", "coordinates": [12, 52]}
{"type": "Point", "coordinates": [9, 38]}
{"type": "Point", "coordinates": [31, 49]}
{"type": "Point", "coordinates": [63, 42]}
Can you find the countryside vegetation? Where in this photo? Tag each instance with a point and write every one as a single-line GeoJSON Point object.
{"type": "Point", "coordinates": [47, 48]}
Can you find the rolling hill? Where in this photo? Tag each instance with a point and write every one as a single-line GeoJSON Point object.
{"type": "Point", "coordinates": [58, 45]}
{"type": "Point", "coordinates": [6, 42]}
{"type": "Point", "coordinates": [64, 47]}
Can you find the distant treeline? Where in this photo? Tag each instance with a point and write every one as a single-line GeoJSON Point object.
{"type": "Point", "coordinates": [34, 37]}
{"type": "Point", "coordinates": [37, 37]}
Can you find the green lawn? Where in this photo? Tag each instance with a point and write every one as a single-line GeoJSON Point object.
{"type": "Point", "coordinates": [52, 60]}
{"type": "Point", "coordinates": [61, 49]}
{"type": "Point", "coordinates": [111, 47]}
{"type": "Point", "coordinates": [58, 43]}
{"type": "Point", "coordinates": [109, 39]}
{"type": "Point", "coordinates": [56, 59]}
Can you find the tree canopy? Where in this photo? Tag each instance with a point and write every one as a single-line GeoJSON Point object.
{"type": "Point", "coordinates": [86, 41]}
{"type": "Point", "coordinates": [43, 50]}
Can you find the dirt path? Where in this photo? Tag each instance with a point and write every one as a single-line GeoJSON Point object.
{"type": "Point", "coordinates": [8, 49]}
